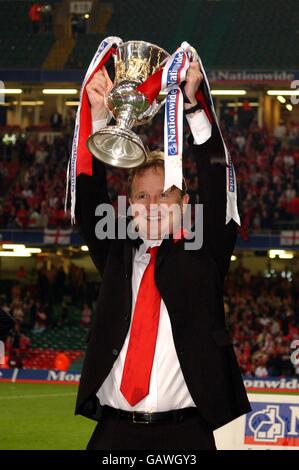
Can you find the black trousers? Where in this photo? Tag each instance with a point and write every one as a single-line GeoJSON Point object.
{"type": "Point", "coordinates": [113, 433]}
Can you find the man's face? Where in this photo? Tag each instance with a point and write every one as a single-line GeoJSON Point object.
{"type": "Point", "coordinates": [156, 212]}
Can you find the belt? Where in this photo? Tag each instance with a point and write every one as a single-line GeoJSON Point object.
{"type": "Point", "coordinates": [143, 417]}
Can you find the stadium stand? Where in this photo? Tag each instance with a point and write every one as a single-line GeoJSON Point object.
{"type": "Point", "coordinates": [52, 314]}
{"type": "Point", "coordinates": [262, 313]}
{"type": "Point", "coordinates": [228, 34]}
{"type": "Point", "coordinates": [237, 34]}
{"type": "Point", "coordinates": [139, 27]}
{"type": "Point", "coordinates": [266, 166]}
{"type": "Point", "coordinates": [84, 49]}
{"type": "Point", "coordinates": [19, 46]}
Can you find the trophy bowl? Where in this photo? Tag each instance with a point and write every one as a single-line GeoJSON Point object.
{"type": "Point", "coordinates": [118, 145]}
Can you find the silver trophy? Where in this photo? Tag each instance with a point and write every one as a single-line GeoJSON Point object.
{"type": "Point", "coordinates": [118, 145]}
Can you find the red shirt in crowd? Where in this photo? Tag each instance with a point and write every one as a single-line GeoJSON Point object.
{"type": "Point", "coordinates": [35, 12]}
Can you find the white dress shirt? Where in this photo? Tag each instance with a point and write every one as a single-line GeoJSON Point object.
{"type": "Point", "coordinates": [168, 389]}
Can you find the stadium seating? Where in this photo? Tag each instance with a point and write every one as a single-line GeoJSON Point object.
{"type": "Point", "coordinates": [262, 313]}
{"type": "Point", "coordinates": [45, 358]}
{"type": "Point", "coordinates": [63, 337]}
{"type": "Point", "coordinates": [227, 33]}
{"type": "Point", "coordinates": [45, 346]}
{"type": "Point", "coordinates": [83, 51]}
{"type": "Point", "coordinates": [19, 48]}
{"type": "Point", "coordinates": [266, 168]}
{"type": "Point", "coordinates": [130, 21]}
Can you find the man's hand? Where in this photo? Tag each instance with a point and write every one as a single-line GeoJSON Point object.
{"type": "Point", "coordinates": [194, 78]}
{"type": "Point", "coordinates": [97, 88]}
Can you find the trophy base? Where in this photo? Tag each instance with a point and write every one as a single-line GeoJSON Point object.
{"type": "Point", "coordinates": [117, 147]}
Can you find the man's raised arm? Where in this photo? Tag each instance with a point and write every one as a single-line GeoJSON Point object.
{"type": "Point", "coordinates": [209, 153]}
{"type": "Point", "coordinates": [92, 189]}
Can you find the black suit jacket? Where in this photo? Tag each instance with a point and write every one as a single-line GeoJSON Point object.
{"type": "Point", "coordinates": [191, 285]}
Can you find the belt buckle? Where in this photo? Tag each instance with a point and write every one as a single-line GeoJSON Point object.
{"type": "Point", "coordinates": [141, 421]}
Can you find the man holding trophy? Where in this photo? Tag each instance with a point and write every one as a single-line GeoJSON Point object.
{"type": "Point", "coordinates": [160, 371]}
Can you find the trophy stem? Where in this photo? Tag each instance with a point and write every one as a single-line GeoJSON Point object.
{"type": "Point", "coordinates": [126, 116]}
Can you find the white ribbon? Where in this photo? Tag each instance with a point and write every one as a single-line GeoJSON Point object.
{"type": "Point", "coordinates": [174, 73]}
{"type": "Point", "coordinates": [231, 182]}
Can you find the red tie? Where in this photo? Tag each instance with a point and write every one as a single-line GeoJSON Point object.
{"type": "Point", "coordinates": [142, 343]}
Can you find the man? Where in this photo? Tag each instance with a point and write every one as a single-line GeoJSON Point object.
{"type": "Point", "coordinates": [35, 16]}
{"type": "Point", "coordinates": [160, 371]}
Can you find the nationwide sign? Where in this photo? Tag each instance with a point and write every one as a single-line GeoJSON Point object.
{"type": "Point", "coordinates": [39, 376]}
{"type": "Point", "coordinates": [285, 384]}
{"type": "Point", "coordinates": [252, 384]}
{"type": "Point", "coordinates": [273, 424]}
{"type": "Point", "coordinates": [253, 77]}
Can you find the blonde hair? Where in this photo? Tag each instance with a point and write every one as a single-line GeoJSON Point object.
{"type": "Point", "coordinates": [155, 160]}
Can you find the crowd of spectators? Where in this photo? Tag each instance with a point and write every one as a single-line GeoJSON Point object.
{"type": "Point", "coordinates": [36, 198]}
{"type": "Point", "coordinates": [47, 299]}
{"type": "Point", "coordinates": [266, 165]}
{"type": "Point", "coordinates": [268, 173]}
{"type": "Point", "coordinates": [33, 297]}
{"type": "Point", "coordinates": [262, 313]}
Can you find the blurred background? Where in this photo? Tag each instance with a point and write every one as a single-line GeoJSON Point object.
{"type": "Point", "coordinates": [47, 282]}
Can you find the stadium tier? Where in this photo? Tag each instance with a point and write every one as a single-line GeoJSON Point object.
{"type": "Point", "coordinates": [247, 34]}
{"type": "Point", "coordinates": [54, 312]}
{"type": "Point", "coordinates": [81, 54]}
{"type": "Point", "coordinates": [267, 167]}
{"type": "Point", "coordinates": [19, 47]}
{"type": "Point", "coordinates": [229, 33]}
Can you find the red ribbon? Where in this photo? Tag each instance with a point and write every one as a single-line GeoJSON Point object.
{"type": "Point", "coordinates": [152, 87]}
{"type": "Point", "coordinates": [84, 157]}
